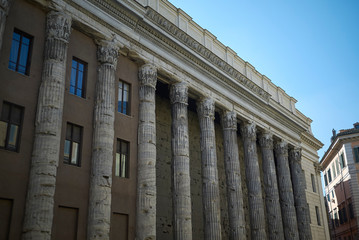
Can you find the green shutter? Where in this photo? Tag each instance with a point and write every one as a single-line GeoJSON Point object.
{"type": "Point", "coordinates": [356, 153]}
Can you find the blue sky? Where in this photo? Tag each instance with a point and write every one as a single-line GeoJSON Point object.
{"type": "Point", "coordinates": [308, 48]}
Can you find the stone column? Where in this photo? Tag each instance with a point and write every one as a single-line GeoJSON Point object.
{"type": "Point", "coordinates": [286, 192]}
{"type": "Point", "coordinates": [301, 205]}
{"type": "Point", "coordinates": [146, 162]}
{"type": "Point", "coordinates": [4, 10]}
{"type": "Point", "coordinates": [274, 215]}
{"type": "Point", "coordinates": [181, 181]}
{"type": "Point", "coordinates": [45, 156]}
{"type": "Point", "coordinates": [99, 209]}
{"type": "Point", "coordinates": [210, 188]}
{"type": "Point", "coordinates": [255, 198]}
{"type": "Point", "coordinates": [233, 177]}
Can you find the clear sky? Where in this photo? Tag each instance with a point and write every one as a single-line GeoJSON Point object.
{"type": "Point", "coordinates": [310, 48]}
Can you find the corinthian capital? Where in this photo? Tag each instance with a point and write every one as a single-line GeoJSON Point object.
{"type": "Point", "coordinates": [266, 140]}
{"type": "Point", "coordinates": [295, 154]}
{"type": "Point", "coordinates": [229, 120]}
{"type": "Point", "coordinates": [58, 26]}
{"type": "Point", "coordinates": [4, 4]}
{"type": "Point", "coordinates": [317, 167]}
{"type": "Point", "coordinates": [281, 148]}
{"type": "Point", "coordinates": [147, 75]}
{"type": "Point", "coordinates": [248, 130]}
{"type": "Point", "coordinates": [205, 108]}
{"type": "Point", "coordinates": [107, 52]}
{"type": "Point", "coordinates": [179, 93]}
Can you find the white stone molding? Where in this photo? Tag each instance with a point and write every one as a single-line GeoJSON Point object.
{"type": "Point", "coordinates": [273, 210]}
{"type": "Point", "coordinates": [45, 156]}
{"type": "Point", "coordinates": [99, 209]}
{"type": "Point", "coordinates": [286, 191]}
{"type": "Point", "coordinates": [233, 176]}
{"type": "Point", "coordinates": [146, 162]}
{"type": "Point", "coordinates": [181, 180]}
{"type": "Point", "coordinates": [255, 198]}
{"type": "Point", "coordinates": [210, 187]}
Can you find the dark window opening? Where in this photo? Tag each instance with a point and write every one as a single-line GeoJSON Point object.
{"type": "Point", "coordinates": [10, 126]}
{"type": "Point", "coordinates": [313, 183]}
{"type": "Point", "coordinates": [72, 148]}
{"type": "Point", "coordinates": [318, 215]}
{"type": "Point", "coordinates": [122, 159]}
{"type": "Point", "coordinates": [78, 77]}
{"type": "Point", "coordinates": [20, 52]}
{"type": "Point", "coordinates": [123, 98]}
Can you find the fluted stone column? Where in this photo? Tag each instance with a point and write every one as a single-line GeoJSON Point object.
{"type": "Point", "coordinates": [233, 177]}
{"type": "Point", "coordinates": [4, 10]}
{"type": "Point", "coordinates": [289, 216]}
{"type": "Point", "coordinates": [255, 198]}
{"type": "Point", "coordinates": [99, 211]}
{"type": "Point", "coordinates": [274, 215]}
{"type": "Point", "coordinates": [146, 162]}
{"type": "Point", "coordinates": [181, 181]}
{"type": "Point", "coordinates": [45, 156]}
{"type": "Point", "coordinates": [300, 200]}
{"type": "Point", "coordinates": [210, 188]}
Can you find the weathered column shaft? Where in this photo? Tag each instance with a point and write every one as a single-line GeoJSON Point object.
{"type": "Point", "coordinates": [289, 216]}
{"type": "Point", "coordinates": [4, 10]}
{"type": "Point", "coordinates": [210, 188]}
{"type": "Point", "coordinates": [300, 201]}
{"type": "Point", "coordinates": [45, 156]}
{"type": "Point", "coordinates": [274, 215]}
{"type": "Point", "coordinates": [181, 181]}
{"type": "Point", "coordinates": [255, 199]}
{"type": "Point", "coordinates": [233, 177]}
{"type": "Point", "coordinates": [146, 162]}
{"type": "Point", "coordinates": [99, 211]}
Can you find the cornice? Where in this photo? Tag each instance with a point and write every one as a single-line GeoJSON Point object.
{"type": "Point", "coordinates": [311, 141]}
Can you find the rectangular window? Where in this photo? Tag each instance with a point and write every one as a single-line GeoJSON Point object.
{"type": "Point", "coordinates": [336, 219]}
{"type": "Point", "coordinates": [338, 168]}
{"type": "Point", "coordinates": [10, 126]}
{"type": "Point", "coordinates": [356, 154]}
{"type": "Point", "coordinates": [78, 77]}
{"type": "Point", "coordinates": [342, 160]}
{"type": "Point", "coordinates": [329, 175]}
{"type": "Point", "coordinates": [72, 148]}
{"type": "Point", "coordinates": [122, 159]}
{"type": "Point", "coordinates": [328, 197]}
{"type": "Point", "coordinates": [20, 52]}
{"type": "Point", "coordinates": [313, 183]}
{"type": "Point", "coordinates": [334, 171]}
{"type": "Point", "coordinates": [345, 215]}
{"type": "Point", "coordinates": [318, 215]}
{"type": "Point", "coordinates": [123, 98]}
{"type": "Point", "coordinates": [351, 210]}
{"type": "Point", "coordinates": [325, 180]}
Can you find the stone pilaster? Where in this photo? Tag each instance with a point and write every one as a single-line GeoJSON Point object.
{"type": "Point", "coordinates": [289, 216]}
{"type": "Point", "coordinates": [182, 217]}
{"type": "Point", "coordinates": [233, 177]}
{"type": "Point", "coordinates": [146, 162]}
{"type": "Point", "coordinates": [300, 201]}
{"type": "Point", "coordinates": [99, 212]}
{"type": "Point", "coordinates": [4, 10]}
{"type": "Point", "coordinates": [210, 188]}
{"type": "Point", "coordinates": [255, 198]}
{"type": "Point", "coordinates": [45, 156]}
{"type": "Point", "coordinates": [274, 215]}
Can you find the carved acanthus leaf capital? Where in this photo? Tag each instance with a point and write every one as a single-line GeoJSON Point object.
{"type": "Point", "coordinates": [281, 148]}
{"type": "Point", "coordinates": [58, 26]}
{"type": "Point", "coordinates": [179, 93]}
{"type": "Point", "coordinates": [266, 140]}
{"type": "Point", "coordinates": [229, 120]}
{"type": "Point", "coordinates": [318, 168]}
{"type": "Point", "coordinates": [107, 52]}
{"type": "Point", "coordinates": [5, 5]}
{"type": "Point", "coordinates": [295, 154]}
{"type": "Point", "coordinates": [205, 108]}
{"type": "Point", "coordinates": [249, 130]}
{"type": "Point", "coordinates": [147, 75]}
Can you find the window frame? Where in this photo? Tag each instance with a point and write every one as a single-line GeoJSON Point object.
{"type": "Point", "coordinates": [121, 107]}
{"type": "Point", "coordinates": [29, 53]}
{"type": "Point", "coordinates": [119, 152]}
{"type": "Point", "coordinates": [318, 215]}
{"type": "Point", "coordinates": [356, 154]}
{"type": "Point", "coordinates": [84, 77]}
{"type": "Point", "coordinates": [314, 187]}
{"type": "Point", "coordinates": [79, 154]}
{"type": "Point", "coordinates": [12, 122]}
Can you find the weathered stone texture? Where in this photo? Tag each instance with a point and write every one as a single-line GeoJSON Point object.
{"type": "Point", "coordinates": [45, 157]}
{"type": "Point", "coordinates": [99, 213]}
{"type": "Point", "coordinates": [4, 10]}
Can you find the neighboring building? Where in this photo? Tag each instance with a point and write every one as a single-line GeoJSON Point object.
{"type": "Point", "coordinates": [119, 119]}
{"type": "Point", "coordinates": [340, 165]}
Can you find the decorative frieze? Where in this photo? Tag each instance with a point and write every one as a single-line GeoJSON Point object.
{"type": "Point", "coordinates": [210, 188]}
{"type": "Point", "coordinates": [99, 212]}
{"type": "Point", "coordinates": [273, 210]}
{"type": "Point", "coordinates": [233, 176]}
{"type": "Point", "coordinates": [298, 181]}
{"type": "Point", "coordinates": [45, 156]}
{"type": "Point", "coordinates": [254, 186]}
{"type": "Point", "coordinates": [146, 162]}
